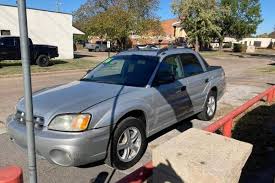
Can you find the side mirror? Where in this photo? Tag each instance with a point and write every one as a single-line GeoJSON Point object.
{"type": "Point", "coordinates": [164, 78]}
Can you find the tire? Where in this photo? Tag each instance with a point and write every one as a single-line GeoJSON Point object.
{"type": "Point", "coordinates": [210, 107]}
{"type": "Point", "coordinates": [127, 157]}
{"type": "Point", "coordinates": [90, 50]}
{"type": "Point", "coordinates": [43, 61]}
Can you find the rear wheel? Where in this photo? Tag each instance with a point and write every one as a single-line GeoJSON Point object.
{"type": "Point", "coordinates": [128, 144]}
{"type": "Point", "coordinates": [43, 61]}
{"type": "Point", "coordinates": [210, 107]}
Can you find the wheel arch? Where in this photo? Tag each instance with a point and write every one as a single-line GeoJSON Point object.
{"type": "Point", "coordinates": [137, 113]}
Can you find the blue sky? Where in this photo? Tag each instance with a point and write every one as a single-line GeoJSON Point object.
{"type": "Point", "coordinates": [164, 12]}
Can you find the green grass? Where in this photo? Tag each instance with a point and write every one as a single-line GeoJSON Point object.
{"type": "Point", "coordinates": [269, 69]}
{"type": "Point", "coordinates": [215, 53]}
{"type": "Point", "coordinates": [8, 68]}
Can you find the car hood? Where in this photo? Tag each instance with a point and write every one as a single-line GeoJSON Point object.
{"type": "Point", "coordinates": [74, 97]}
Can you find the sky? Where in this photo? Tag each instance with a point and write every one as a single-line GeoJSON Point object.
{"type": "Point", "coordinates": [164, 12]}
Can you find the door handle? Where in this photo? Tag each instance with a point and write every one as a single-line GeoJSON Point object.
{"type": "Point", "coordinates": [207, 80]}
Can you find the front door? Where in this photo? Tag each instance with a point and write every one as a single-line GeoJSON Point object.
{"type": "Point", "coordinates": [171, 99]}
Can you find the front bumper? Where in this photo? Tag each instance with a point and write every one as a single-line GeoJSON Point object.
{"type": "Point", "coordinates": [63, 148]}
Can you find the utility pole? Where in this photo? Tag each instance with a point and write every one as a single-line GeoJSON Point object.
{"type": "Point", "coordinates": [25, 57]}
{"type": "Point", "coordinates": [58, 5]}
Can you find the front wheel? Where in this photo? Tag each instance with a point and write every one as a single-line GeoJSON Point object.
{"type": "Point", "coordinates": [128, 144]}
{"type": "Point", "coordinates": [210, 107]}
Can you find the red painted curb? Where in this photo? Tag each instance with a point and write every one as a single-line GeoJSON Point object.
{"type": "Point", "coordinates": [11, 174]}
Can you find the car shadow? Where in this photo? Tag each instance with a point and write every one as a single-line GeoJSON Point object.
{"type": "Point", "coordinates": [10, 64]}
{"type": "Point", "coordinates": [257, 127]}
{"type": "Point", "coordinates": [58, 62]}
{"type": "Point", "coordinates": [103, 177]}
{"type": "Point", "coordinates": [180, 126]}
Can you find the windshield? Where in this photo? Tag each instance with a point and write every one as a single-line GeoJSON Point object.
{"type": "Point", "coordinates": [132, 70]}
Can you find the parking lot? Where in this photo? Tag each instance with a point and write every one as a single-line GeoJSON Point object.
{"type": "Point", "coordinates": [246, 76]}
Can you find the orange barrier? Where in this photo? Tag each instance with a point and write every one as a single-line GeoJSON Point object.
{"type": "Point", "coordinates": [143, 173]}
{"type": "Point", "coordinates": [11, 174]}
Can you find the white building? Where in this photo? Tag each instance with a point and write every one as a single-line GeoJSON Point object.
{"type": "Point", "coordinates": [45, 27]}
{"type": "Point", "coordinates": [258, 42]}
{"type": "Point", "coordinates": [226, 40]}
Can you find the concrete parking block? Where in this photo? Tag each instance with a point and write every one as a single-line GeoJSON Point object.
{"type": "Point", "coordinates": [201, 157]}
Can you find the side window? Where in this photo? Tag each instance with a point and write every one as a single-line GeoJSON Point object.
{"type": "Point", "coordinates": [7, 42]}
{"type": "Point", "coordinates": [191, 65]}
{"type": "Point", "coordinates": [171, 65]}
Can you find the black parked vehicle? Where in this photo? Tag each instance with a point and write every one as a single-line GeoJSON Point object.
{"type": "Point", "coordinates": [40, 54]}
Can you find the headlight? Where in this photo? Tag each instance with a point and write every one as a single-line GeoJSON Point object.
{"type": "Point", "coordinates": [70, 122]}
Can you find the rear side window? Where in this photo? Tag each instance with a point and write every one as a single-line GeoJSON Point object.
{"type": "Point", "coordinates": [190, 64]}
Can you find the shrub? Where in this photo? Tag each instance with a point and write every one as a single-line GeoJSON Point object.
{"type": "Point", "coordinates": [239, 47]}
{"type": "Point", "coordinates": [227, 45]}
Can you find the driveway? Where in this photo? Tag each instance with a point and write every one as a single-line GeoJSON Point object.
{"type": "Point", "coordinates": [244, 80]}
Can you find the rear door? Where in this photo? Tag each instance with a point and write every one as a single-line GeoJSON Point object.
{"type": "Point", "coordinates": [197, 79]}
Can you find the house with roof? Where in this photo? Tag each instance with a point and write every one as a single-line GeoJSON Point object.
{"type": "Point", "coordinates": [172, 31]}
{"type": "Point", "coordinates": [45, 27]}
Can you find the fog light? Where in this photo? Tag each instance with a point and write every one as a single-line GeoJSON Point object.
{"type": "Point", "coordinates": [61, 157]}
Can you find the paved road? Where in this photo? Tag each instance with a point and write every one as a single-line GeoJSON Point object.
{"type": "Point", "coordinates": [243, 82]}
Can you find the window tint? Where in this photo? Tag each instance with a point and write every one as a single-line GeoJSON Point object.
{"type": "Point", "coordinates": [191, 65]}
{"type": "Point", "coordinates": [172, 66]}
{"type": "Point", "coordinates": [7, 42]}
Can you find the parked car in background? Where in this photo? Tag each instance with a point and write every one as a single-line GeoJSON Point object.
{"type": "Point", "coordinates": [97, 46]}
{"type": "Point", "coordinates": [40, 54]}
{"type": "Point", "coordinates": [114, 108]}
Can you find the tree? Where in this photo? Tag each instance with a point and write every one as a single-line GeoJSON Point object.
{"type": "Point", "coordinates": [113, 24]}
{"type": "Point", "coordinates": [238, 18]}
{"type": "Point", "coordinates": [115, 20]}
{"type": "Point", "coordinates": [264, 35]}
{"type": "Point", "coordinates": [216, 19]}
{"type": "Point", "coordinates": [142, 8]}
{"type": "Point", "coordinates": [198, 20]}
{"type": "Point", "coordinates": [116, 24]}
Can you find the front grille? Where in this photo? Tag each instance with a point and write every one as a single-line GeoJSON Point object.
{"type": "Point", "coordinates": [21, 118]}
